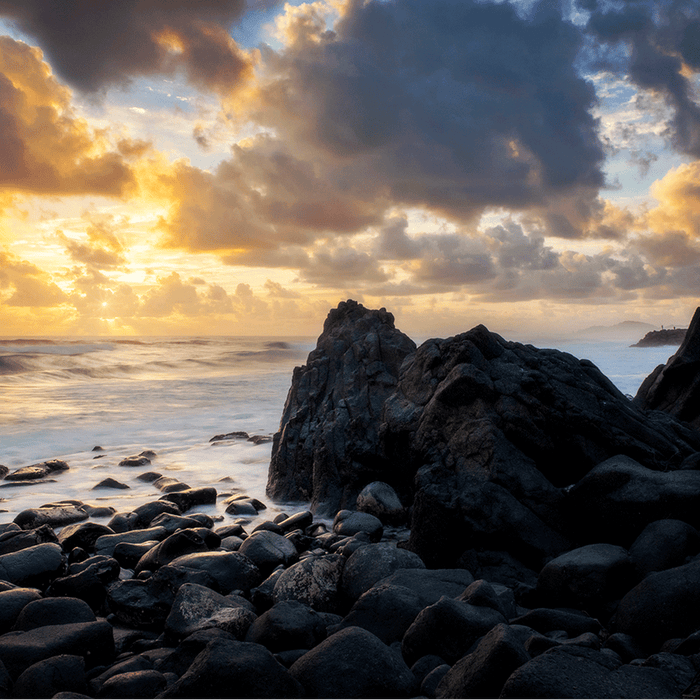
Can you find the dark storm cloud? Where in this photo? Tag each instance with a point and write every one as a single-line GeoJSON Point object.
{"type": "Point", "coordinates": [455, 106]}
{"type": "Point", "coordinates": [660, 38]}
{"type": "Point", "coordinates": [95, 43]}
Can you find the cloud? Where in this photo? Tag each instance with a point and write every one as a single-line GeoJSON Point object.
{"type": "Point", "coordinates": [44, 147]}
{"type": "Point", "coordinates": [96, 44]}
{"type": "Point", "coordinates": [26, 284]}
{"type": "Point", "coordinates": [102, 251]}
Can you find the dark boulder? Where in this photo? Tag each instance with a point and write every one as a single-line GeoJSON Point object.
{"type": "Point", "coordinates": [13, 540]}
{"type": "Point", "coordinates": [82, 535]}
{"type": "Point", "coordinates": [110, 483]}
{"type": "Point", "coordinates": [232, 571]}
{"type": "Point", "coordinates": [288, 625]}
{"type": "Point", "coordinates": [314, 581]}
{"type": "Point", "coordinates": [87, 581]}
{"type": "Point", "coordinates": [34, 566]}
{"type": "Point", "coordinates": [37, 471]}
{"type": "Point", "coordinates": [189, 498]}
{"type": "Point", "coordinates": [128, 554]}
{"type": "Point", "coordinates": [63, 673]}
{"type": "Point", "coordinates": [53, 611]}
{"type": "Point", "coordinates": [106, 544]}
{"type": "Point", "coordinates": [172, 522]}
{"type": "Point", "coordinates": [430, 584]}
{"type": "Point", "coordinates": [148, 683]}
{"type": "Point", "coordinates": [244, 669]}
{"type": "Point", "coordinates": [675, 386]}
{"type": "Point", "coordinates": [268, 550]}
{"type": "Point", "coordinates": [550, 619]}
{"type": "Point", "coordinates": [54, 516]}
{"type": "Point", "coordinates": [327, 449]}
{"type": "Point", "coordinates": [664, 544]}
{"type": "Point", "coordinates": [353, 663]}
{"type": "Point", "coordinates": [142, 516]}
{"type": "Point", "coordinates": [12, 602]}
{"type": "Point", "coordinates": [140, 604]}
{"type": "Point", "coordinates": [483, 673]}
{"type": "Point", "coordinates": [178, 544]}
{"type": "Point", "coordinates": [382, 501]}
{"type": "Point", "coordinates": [349, 522]}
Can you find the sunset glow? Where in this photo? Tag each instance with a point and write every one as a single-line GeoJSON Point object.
{"type": "Point", "coordinates": [223, 168]}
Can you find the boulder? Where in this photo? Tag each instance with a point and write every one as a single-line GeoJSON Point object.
{"type": "Point", "coordinates": [448, 629]}
{"type": "Point", "coordinates": [82, 535]}
{"type": "Point", "coordinates": [148, 683]}
{"type": "Point", "coordinates": [288, 625]}
{"type": "Point", "coordinates": [33, 566]}
{"type": "Point", "coordinates": [268, 550]}
{"type": "Point", "coordinates": [249, 670]}
{"type": "Point", "coordinates": [142, 516]}
{"type": "Point", "coordinates": [618, 498]}
{"type": "Point", "coordinates": [106, 543]}
{"type": "Point", "coordinates": [93, 641]}
{"type": "Point", "coordinates": [232, 571]}
{"type": "Point", "coordinates": [313, 581]}
{"type": "Point", "coordinates": [382, 501]}
{"type": "Point", "coordinates": [353, 663]}
{"type": "Point", "coordinates": [110, 483]}
{"type": "Point", "coordinates": [664, 544]}
{"type": "Point", "coordinates": [483, 673]}
{"type": "Point", "coordinates": [53, 611]}
{"type": "Point", "coordinates": [177, 545]}
{"type": "Point", "coordinates": [172, 522]}
{"type": "Point", "coordinates": [675, 386]}
{"type": "Point", "coordinates": [327, 449]}
{"type": "Point", "coordinates": [37, 471]}
{"type": "Point", "coordinates": [140, 604]}
{"type": "Point", "coordinates": [12, 540]}
{"type": "Point", "coordinates": [62, 673]}
{"type": "Point", "coordinates": [348, 523]}
{"type": "Point", "coordinates": [54, 516]}
{"type": "Point", "coordinates": [373, 562]}
{"type": "Point", "coordinates": [12, 602]}
{"type": "Point", "coordinates": [189, 498]}
{"type": "Point", "coordinates": [87, 580]}
{"type": "Point", "coordinates": [430, 584]}
{"type": "Point", "coordinates": [546, 620]}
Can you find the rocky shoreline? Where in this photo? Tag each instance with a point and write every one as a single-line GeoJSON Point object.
{"type": "Point", "coordinates": [666, 336]}
{"type": "Point", "coordinates": [506, 524]}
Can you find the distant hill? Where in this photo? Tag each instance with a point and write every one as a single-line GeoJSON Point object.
{"type": "Point", "coordinates": [625, 330]}
{"type": "Point", "coordinates": [666, 336]}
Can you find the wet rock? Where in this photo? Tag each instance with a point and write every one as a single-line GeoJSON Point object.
{"type": "Point", "coordinates": [57, 516]}
{"type": "Point", "coordinates": [249, 668]}
{"type": "Point", "coordinates": [313, 581]}
{"type": "Point", "coordinates": [197, 607]}
{"type": "Point", "coordinates": [33, 566]}
{"type": "Point", "coordinates": [174, 522]}
{"type": "Point", "coordinates": [110, 483]}
{"type": "Point", "coordinates": [494, 596]}
{"type": "Point", "coordinates": [236, 435]}
{"type": "Point", "coordinates": [268, 550]}
{"type": "Point", "coordinates": [98, 511]}
{"type": "Point", "coordinates": [128, 554]}
{"type": "Point", "coordinates": [664, 544]}
{"type": "Point", "coordinates": [134, 684]}
{"type": "Point", "coordinates": [62, 673]}
{"type": "Point", "coordinates": [53, 611]}
{"type": "Point", "coordinates": [664, 605]}
{"type": "Point", "coordinates": [149, 477]}
{"type": "Point", "coordinates": [168, 484]}
{"type": "Point", "coordinates": [140, 604]}
{"type": "Point", "coordinates": [348, 523]}
{"type": "Point", "coordinates": [37, 471]}
{"type": "Point", "coordinates": [675, 386]}
{"type": "Point", "coordinates": [288, 625]}
{"type": "Point", "coordinates": [587, 578]}
{"type": "Point", "coordinates": [300, 521]}
{"type": "Point", "coordinates": [241, 507]}
{"type": "Point", "coordinates": [380, 499]}
{"type": "Point", "coordinates": [448, 629]}
{"type": "Point", "coordinates": [189, 498]}
{"type": "Point", "coordinates": [135, 461]}
{"type": "Point", "coordinates": [374, 562]}
{"type": "Point", "coordinates": [430, 584]}
{"type": "Point", "coordinates": [483, 673]}
{"type": "Point", "coordinates": [12, 602]}
{"type": "Point", "coordinates": [328, 447]}
{"type": "Point", "coordinates": [178, 544]}
{"type": "Point", "coordinates": [353, 663]}
{"type": "Point", "coordinates": [145, 514]}
{"type": "Point", "coordinates": [91, 640]}
{"type": "Point", "coordinates": [232, 571]}
{"type": "Point", "coordinates": [82, 535]}
{"type": "Point", "coordinates": [575, 672]}
{"type": "Point", "coordinates": [87, 581]}
{"type": "Point", "coordinates": [14, 540]}
{"type": "Point", "coordinates": [106, 543]}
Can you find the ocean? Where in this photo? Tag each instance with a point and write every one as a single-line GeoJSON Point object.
{"type": "Point", "coordinates": [60, 398]}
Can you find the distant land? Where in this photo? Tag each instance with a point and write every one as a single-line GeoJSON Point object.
{"type": "Point", "coordinates": [625, 330]}
{"type": "Point", "coordinates": [666, 336]}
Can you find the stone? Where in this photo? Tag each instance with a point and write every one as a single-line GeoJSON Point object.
{"type": "Point", "coordinates": [167, 484]}
{"type": "Point", "coordinates": [196, 607]}
{"type": "Point", "coordinates": [374, 562]}
{"type": "Point", "coordinates": [110, 483]}
{"type": "Point", "coordinates": [232, 571]}
{"type": "Point", "coordinates": [483, 673]}
{"type": "Point", "coordinates": [142, 516]}
{"type": "Point", "coordinates": [300, 520]}
{"type": "Point", "coordinates": [675, 386]}
{"type": "Point", "coordinates": [177, 545]}
{"type": "Point", "coordinates": [148, 683]}
{"type": "Point", "coordinates": [353, 663]}
{"type": "Point", "coordinates": [37, 471]}
{"type": "Point", "coordinates": [248, 668]}
{"type": "Point", "coordinates": [431, 682]}
{"type": "Point", "coordinates": [268, 550]}
{"type": "Point", "coordinates": [56, 516]}
{"type": "Point", "coordinates": [448, 629]}
{"type": "Point", "coordinates": [135, 461]}
{"type": "Point", "coordinates": [132, 663]}
{"type": "Point", "coordinates": [382, 501]}
{"type": "Point", "coordinates": [140, 604]}
{"type": "Point", "coordinates": [546, 620]}
{"type": "Point", "coordinates": [87, 580]}
{"type": "Point", "coordinates": [189, 498]}
{"type": "Point", "coordinates": [430, 584]}
{"type": "Point", "coordinates": [664, 544]}
{"type": "Point", "coordinates": [288, 625]}
{"type": "Point", "coordinates": [313, 581]}
{"type": "Point", "coordinates": [65, 672]}
{"type": "Point", "coordinates": [494, 596]}
{"type": "Point", "coordinates": [106, 543]}
{"type": "Point", "coordinates": [587, 577]}
{"type": "Point", "coordinates": [617, 499]}
{"type": "Point", "coordinates": [33, 567]}
{"type": "Point", "coordinates": [662, 606]}
{"type": "Point", "coordinates": [53, 611]}
{"type": "Point", "coordinates": [128, 554]}
{"type": "Point", "coordinates": [172, 522]}
{"type": "Point", "coordinates": [12, 602]}
{"type": "Point", "coordinates": [17, 539]}
{"type": "Point", "coordinates": [327, 449]}
{"type": "Point", "coordinates": [82, 535]}
{"type": "Point", "coordinates": [93, 641]}
{"type": "Point", "coordinates": [576, 672]}
{"type": "Point", "coordinates": [348, 523]}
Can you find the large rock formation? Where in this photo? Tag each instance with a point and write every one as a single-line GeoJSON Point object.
{"type": "Point", "coordinates": [482, 435]}
{"type": "Point", "coordinates": [327, 449]}
{"type": "Point", "coordinates": [675, 386]}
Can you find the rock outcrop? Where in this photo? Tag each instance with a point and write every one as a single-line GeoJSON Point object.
{"type": "Point", "coordinates": [675, 386]}
{"type": "Point", "coordinates": [482, 436]}
{"type": "Point", "coordinates": [327, 449]}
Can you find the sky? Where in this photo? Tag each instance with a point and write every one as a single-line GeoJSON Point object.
{"type": "Point", "coordinates": [238, 167]}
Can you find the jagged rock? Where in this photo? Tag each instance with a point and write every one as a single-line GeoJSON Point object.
{"type": "Point", "coordinates": [327, 449]}
{"type": "Point", "coordinates": [675, 386]}
{"type": "Point", "coordinates": [353, 663]}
